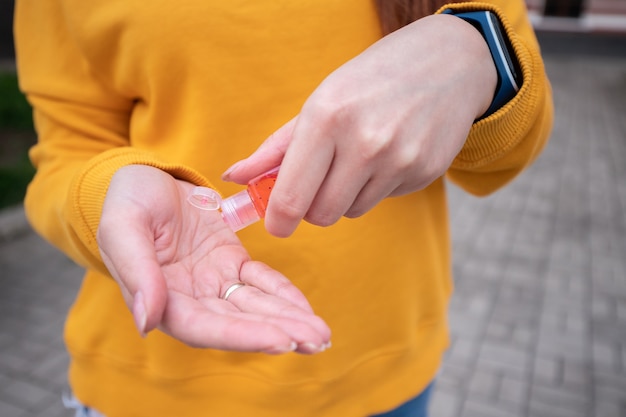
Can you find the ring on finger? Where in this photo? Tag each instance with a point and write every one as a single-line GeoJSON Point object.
{"type": "Point", "coordinates": [230, 290]}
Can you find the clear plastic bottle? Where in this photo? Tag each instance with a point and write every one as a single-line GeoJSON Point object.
{"type": "Point", "coordinates": [242, 209]}
{"type": "Point", "coordinates": [249, 206]}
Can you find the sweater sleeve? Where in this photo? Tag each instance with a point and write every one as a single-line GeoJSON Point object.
{"type": "Point", "coordinates": [500, 146]}
{"type": "Point", "coordinates": [83, 133]}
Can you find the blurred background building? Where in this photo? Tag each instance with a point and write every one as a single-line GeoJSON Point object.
{"type": "Point", "coordinates": [579, 15]}
{"type": "Point", "coordinates": [6, 29]}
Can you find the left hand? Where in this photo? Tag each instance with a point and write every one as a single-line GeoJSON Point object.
{"type": "Point", "coordinates": [174, 264]}
{"type": "Point", "coordinates": [386, 123]}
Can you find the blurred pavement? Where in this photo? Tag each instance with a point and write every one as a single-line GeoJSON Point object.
{"type": "Point", "coordinates": [539, 314]}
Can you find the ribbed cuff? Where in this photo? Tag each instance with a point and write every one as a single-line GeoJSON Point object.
{"type": "Point", "coordinates": [497, 134]}
{"type": "Point", "coordinates": [89, 189]}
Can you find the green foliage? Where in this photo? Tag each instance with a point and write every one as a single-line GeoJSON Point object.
{"type": "Point", "coordinates": [16, 170]}
{"type": "Point", "coordinates": [15, 112]}
{"type": "Point", "coordinates": [13, 181]}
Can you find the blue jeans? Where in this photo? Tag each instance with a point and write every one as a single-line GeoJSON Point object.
{"type": "Point", "coordinates": [416, 407]}
{"type": "Point", "coordinates": [71, 403]}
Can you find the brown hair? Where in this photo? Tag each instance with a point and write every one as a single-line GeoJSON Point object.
{"type": "Point", "coordinates": [395, 14]}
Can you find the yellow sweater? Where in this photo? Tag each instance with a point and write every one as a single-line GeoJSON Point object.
{"type": "Point", "coordinates": [191, 87]}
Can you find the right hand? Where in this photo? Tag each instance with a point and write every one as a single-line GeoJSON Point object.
{"type": "Point", "coordinates": [174, 262]}
{"type": "Point", "coordinates": [387, 123]}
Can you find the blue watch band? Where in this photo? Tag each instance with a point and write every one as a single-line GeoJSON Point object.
{"type": "Point", "coordinates": [509, 74]}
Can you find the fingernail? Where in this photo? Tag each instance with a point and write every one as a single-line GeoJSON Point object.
{"type": "Point", "coordinates": [313, 348]}
{"type": "Point", "coordinates": [277, 350]}
{"type": "Point", "coordinates": [139, 313]}
{"type": "Point", "coordinates": [226, 174]}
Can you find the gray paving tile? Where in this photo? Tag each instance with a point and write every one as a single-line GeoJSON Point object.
{"type": "Point", "coordinates": [53, 409]}
{"type": "Point", "coordinates": [484, 384]}
{"type": "Point", "coordinates": [454, 378]}
{"type": "Point", "coordinates": [473, 408]}
{"type": "Point", "coordinates": [565, 399]}
{"type": "Point", "coordinates": [26, 395]}
{"type": "Point", "coordinates": [10, 410]}
{"type": "Point", "coordinates": [514, 392]}
{"type": "Point", "coordinates": [542, 409]}
{"type": "Point", "coordinates": [505, 359]}
{"type": "Point", "coordinates": [444, 404]}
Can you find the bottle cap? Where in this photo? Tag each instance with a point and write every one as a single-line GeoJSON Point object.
{"type": "Point", "coordinates": [204, 198]}
{"type": "Point", "coordinates": [238, 211]}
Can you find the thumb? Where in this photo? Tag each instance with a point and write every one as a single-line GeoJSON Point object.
{"type": "Point", "coordinates": [132, 263]}
{"type": "Point", "coordinates": [269, 155]}
{"type": "Point", "coordinates": [149, 300]}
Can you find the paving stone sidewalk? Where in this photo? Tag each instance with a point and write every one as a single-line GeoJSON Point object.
{"type": "Point", "coordinates": [539, 314]}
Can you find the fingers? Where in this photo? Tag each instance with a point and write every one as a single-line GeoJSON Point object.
{"type": "Point", "coordinates": [270, 281]}
{"type": "Point", "coordinates": [314, 187]}
{"type": "Point", "coordinates": [299, 179]}
{"type": "Point", "coordinates": [286, 299]}
{"type": "Point", "coordinates": [309, 332]}
{"type": "Point", "coordinates": [219, 324]}
{"type": "Point", "coordinates": [271, 298]}
{"type": "Point", "coordinates": [268, 307]}
{"type": "Point", "coordinates": [342, 185]}
{"type": "Point", "coordinates": [376, 189]}
{"type": "Point", "coordinates": [297, 187]}
{"type": "Point", "coordinates": [269, 155]}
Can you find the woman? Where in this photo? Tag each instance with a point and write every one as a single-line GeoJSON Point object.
{"type": "Point", "coordinates": [136, 104]}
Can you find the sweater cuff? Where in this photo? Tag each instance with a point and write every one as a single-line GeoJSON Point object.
{"type": "Point", "coordinates": [88, 191]}
{"type": "Point", "coordinates": [497, 134]}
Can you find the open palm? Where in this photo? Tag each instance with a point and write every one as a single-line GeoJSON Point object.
{"type": "Point", "coordinates": [174, 264]}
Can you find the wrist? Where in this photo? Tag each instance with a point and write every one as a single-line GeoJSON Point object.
{"type": "Point", "coordinates": [473, 52]}
{"type": "Point", "coordinates": [488, 25]}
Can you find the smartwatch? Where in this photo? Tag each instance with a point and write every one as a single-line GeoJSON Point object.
{"type": "Point", "coordinates": [508, 69]}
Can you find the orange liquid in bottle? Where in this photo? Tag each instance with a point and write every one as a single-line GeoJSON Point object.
{"type": "Point", "coordinates": [249, 206]}
{"type": "Point", "coordinates": [259, 190]}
